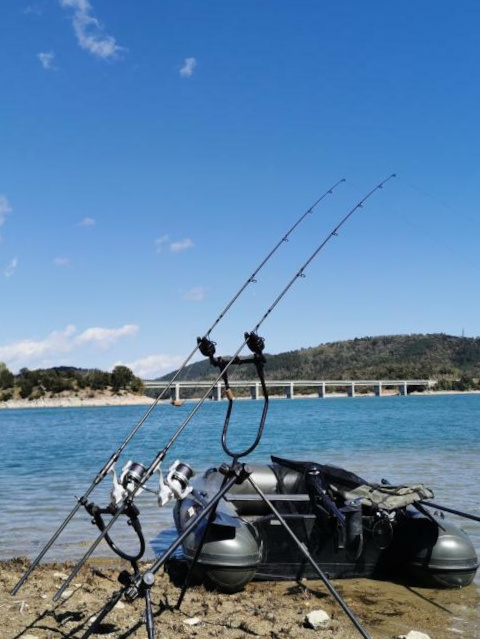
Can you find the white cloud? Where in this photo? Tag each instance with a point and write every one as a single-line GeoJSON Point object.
{"type": "Point", "coordinates": [183, 245]}
{"type": "Point", "coordinates": [175, 247]}
{"type": "Point", "coordinates": [155, 365]}
{"type": "Point", "coordinates": [10, 270]}
{"type": "Point", "coordinates": [188, 68]}
{"type": "Point", "coordinates": [87, 221]}
{"type": "Point", "coordinates": [46, 59]}
{"type": "Point", "coordinates": [89, 31]}
{"type": "Point", "coordinates": [29, 352]}
{"type": "Point", "coordinates": [105, 337]}
{"type": "Point", "coordinates": [4, 209]}
{"type": "Point", "coordinates": [62, 262]}
{"type": "Point", "coordinates": [161, 241]}
{"type": "Point", "coordinates": [196, 294]}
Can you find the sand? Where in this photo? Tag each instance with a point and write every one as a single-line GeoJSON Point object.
{"type": "Point", "coordinates": [275, 610]}
{"type": "Point", "coordinates": [79, 400]}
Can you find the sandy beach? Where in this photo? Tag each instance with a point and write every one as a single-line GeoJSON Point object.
{"type": "Point", "coordinates": [265, 609]}
{"type": "Point", "coordinates": [77, 401]}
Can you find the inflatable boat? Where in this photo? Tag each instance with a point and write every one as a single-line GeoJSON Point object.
{"type": "Point", "coordinates": [352, 528]}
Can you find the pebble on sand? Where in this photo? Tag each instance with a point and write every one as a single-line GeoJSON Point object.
{"type": "Point", "coordinates": [192, 621]}
{"type": "Point", "coordinates": [414, 634]}
{"type": "Point", "coordinates": [317, 619]}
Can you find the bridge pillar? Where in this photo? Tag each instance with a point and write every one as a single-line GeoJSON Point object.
{"type": "Point", "coordinates": [403, 389]}
{"type": "Point", "coordinates": [321, 390]}
{"type": "Point", "coordinates": [378, 389]}
{"type": "Point", "coordinates": [289, 392]}
{"type": "Point", "coordinates": [351, 390]}
{"type": "Point", "coordinates": [218, 394]}
{"type": "Point", "coordinates": [254, 391]}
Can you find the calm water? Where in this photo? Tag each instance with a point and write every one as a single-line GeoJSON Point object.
{"type": "Point", "coordinates": [51, 455]}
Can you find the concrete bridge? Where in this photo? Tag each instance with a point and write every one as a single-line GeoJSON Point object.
{"type": "Point", "coordinates": [290, 386]}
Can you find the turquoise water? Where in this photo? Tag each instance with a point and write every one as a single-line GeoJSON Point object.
{"type": "Point", "coordinates": [51, 455]}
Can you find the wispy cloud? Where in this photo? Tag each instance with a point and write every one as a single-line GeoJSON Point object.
{"type": "Point", "coordinates": [196, 294]}
{"type": "Point", "coordinates": [4, 209]}
{"type": "Point", "coordinates": [175, 247]}
{"type": "Point", "coordinates": [160, 242]}
{"type": "Point", "coordinates": [62, 262]}
{"type": "Point", "coordinates": [43, 352]}
{"type": "Point", "coordinates": [183, 245]}
{"type": "Point", "coordinates": [189, 65]}
{"type": "Point", "coordinates": [87, 221]}
{"type": "Point", "coordinates": [33, 10]}
{"type": "Point", "coordinates": [11, 268]}
{"type": "Point", "coordinates": [46, 59]}
{"type": "Point", "coordinates": [155, 365]}
{"type": "Point", "coordinates": [89, 31]}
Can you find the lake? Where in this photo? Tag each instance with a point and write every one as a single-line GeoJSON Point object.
{"type": "Point", "coordinates": [51, 455]}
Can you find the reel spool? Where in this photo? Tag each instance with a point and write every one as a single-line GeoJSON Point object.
{"type": "Point", "coordinates": [176, 484]}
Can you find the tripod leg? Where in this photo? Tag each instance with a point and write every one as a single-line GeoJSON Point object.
{"type": "Point", "coordinates": [313, 563]}
{"type": "Point", "coordinates": [149, 615]}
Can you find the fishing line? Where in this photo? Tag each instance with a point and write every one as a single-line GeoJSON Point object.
{"type": "Point", "coordinates": [109, 465]}
{"type": "Point", "coordinates": [155, 465]}
{"type": "Point", "coordinates": [426, 233]}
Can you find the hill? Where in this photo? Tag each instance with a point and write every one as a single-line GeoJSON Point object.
{"type": "Point", "coordinates": [454, 361]}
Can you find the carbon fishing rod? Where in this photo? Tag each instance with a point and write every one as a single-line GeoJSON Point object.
{"type": "Point", "coordinates": [459, 513]}
{"type": "Point", "coordinates": [109, 465]}
{"type": "Point", "coordinates": [147, 473]}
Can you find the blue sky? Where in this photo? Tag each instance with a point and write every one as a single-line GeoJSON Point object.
{"type": "Point", "coordinates": [152, 153]}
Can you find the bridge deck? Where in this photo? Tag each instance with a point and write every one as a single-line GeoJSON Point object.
{"type": "Point", "coordinates": [289, 386]}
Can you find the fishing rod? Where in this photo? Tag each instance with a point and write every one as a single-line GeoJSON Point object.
{"type": "Point", "coordinates": [459, 513]}
{"type": "Point", "coordinates": [420, 507]}
{"type": "Point", "coordinates": [109, 465]}
{"type": "Point", "coordinates": [141, 478]}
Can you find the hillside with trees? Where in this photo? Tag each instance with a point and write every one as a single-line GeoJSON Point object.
{"type": "Point", "coordinates": [453, 361]}
{"type": "Point", "coordinates": [65, 380]}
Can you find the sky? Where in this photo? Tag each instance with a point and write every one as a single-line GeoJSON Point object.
{"type": "Point", "coordinates": [152, 154]}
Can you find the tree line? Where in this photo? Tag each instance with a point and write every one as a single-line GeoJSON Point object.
{"type": "Point", "coordinates": [44, 382]}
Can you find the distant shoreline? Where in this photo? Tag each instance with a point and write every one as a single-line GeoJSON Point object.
{"type": "Point", "coordinates": [142, 400]}
{"type": "Point", "coordinates": [78, 402]}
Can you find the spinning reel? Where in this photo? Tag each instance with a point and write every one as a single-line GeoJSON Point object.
{"type": "Point", "coordinates": [132, 480]}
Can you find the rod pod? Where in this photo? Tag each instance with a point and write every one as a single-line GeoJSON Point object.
{"type": "Point", "coordinates": [114, 458]}
{"type": "Point", "coordinates": [161, 455]}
